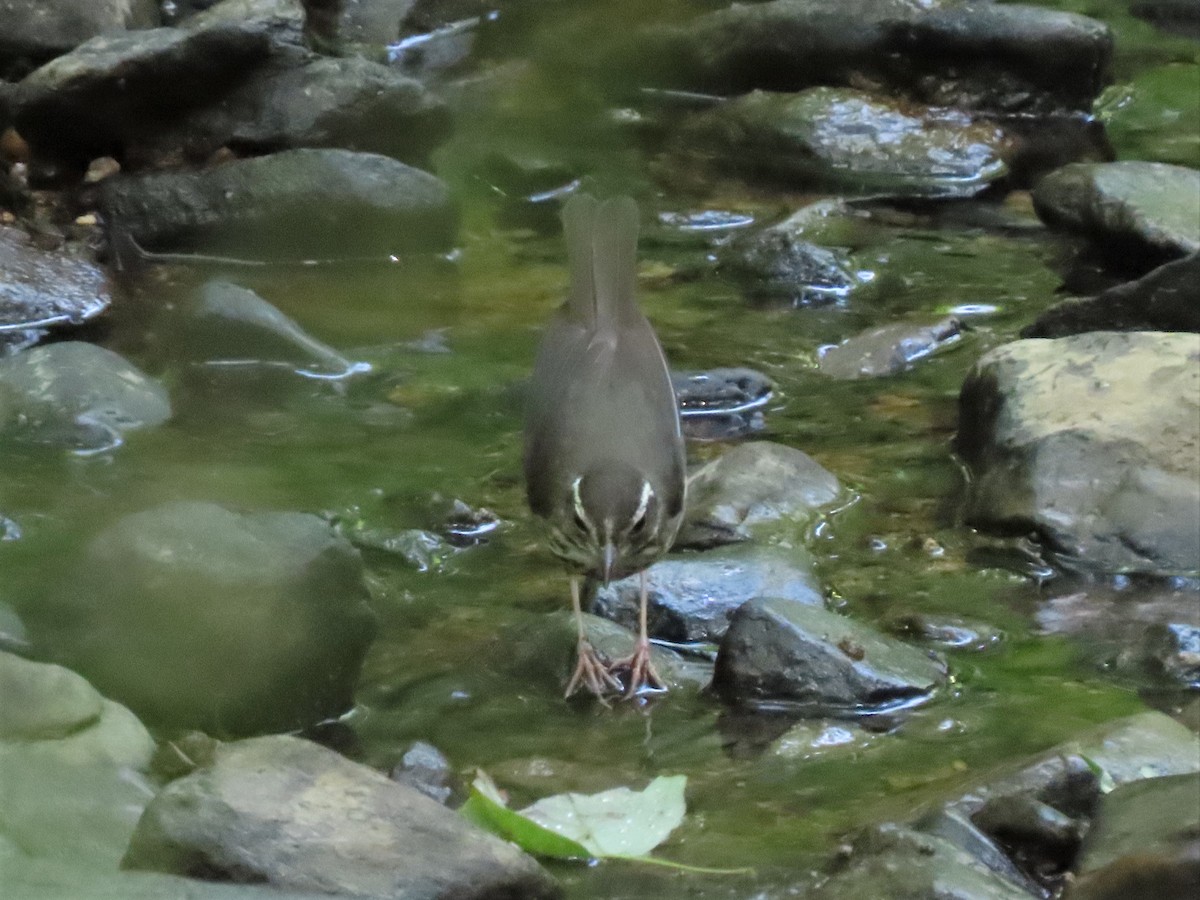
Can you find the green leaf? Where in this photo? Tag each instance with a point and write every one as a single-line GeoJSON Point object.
{"type": "Point", "coordinates": [486, 808]}
{"type": "Point", "coordinates": [619, 822]}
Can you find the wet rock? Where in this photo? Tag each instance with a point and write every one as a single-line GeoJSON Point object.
{"type": "Point", "coordinates": [1173, 649]}
{"type": "Point", "coordinates": [1145, 842]}
{"type": "Point", "coordinates": [464, 526]}
{"type": "Point", "coordinates": [42, 289]}
{"type": "Point", "coordinates": [838, 138]}
{"type": "Point", "coordinates": [295, 204]}
{"type": "Point", "coordinates": [951, 825]}
{"type": "Point", "coordinates": [721, 404]}
{"type": "Point", "coordinates": [750, 485]}
{"type": "Point", "coordinates": [110, 93]}
{"type": "Point", "coordinates": [301, 99]}
{"type": "Point", "coordinates": [282, 20]}
{"type": "Point", "coordinates": [777, 264]}
{"type": "Point", "coordinates": [1091, 440]}
{"type": "Point", "coordinates": [887, 350]}
{"type": "Point", "coordinates": [787, 653]}
{"type": "Point", "coordinates": [1165, 299]}
{"type": "Point", "coordinates": [1037, 835]}
{"type": "Point", "coordinates": [228, 325]}
{"type": "Point", "coordinates": [1069, 776]}
{"type": "Point", "coordinates": [548, 649]}
{"type": "Point", "coordinates": [692, 597]}
{"type": "Point", "coordinates": [77, 395]}
{"type": "Point", "coordinates": [1036, 810]}
{"type": "Point", "coordinates": [425, 768]}
{"type": "Point", "coordinates": [36, 30]}
{"type": "Point", "coordinates": [1138, 210]}
{"type": "Point", "coordinates": [991, 56]}
{"type": "Point", "coordinates": [297, 816]}
{"type": "Point", "coordinates": [201, 617]}
{"type": "Point", "coordinates": [891, 860]}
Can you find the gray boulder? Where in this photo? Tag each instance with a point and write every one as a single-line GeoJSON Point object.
{"type": "Point", "coordinates": [233, 623]}
{"type": "Point", "coordinates": [295, 204]}
{"type": "Point", "coordinates": [888, 349]}
{"type": "Point", "coordinates": [692, 597]}
{"type": "Point", "coordinates": [108, 94]}
{"type": "Point", "coordinates": [297, 816]}
{"type": "Point", "coordinates": [42, 289]}
{"type": "Point", "coordinates": [1091, 440]}
{"type": "Point", "coordinates": [1072, 776]}
{"type": "Point", "coordinates": [301, 99]}
{"type": "Point", "coordinates": [77, 395]}
{"type": "Point", "coordinates": [982, 55]}
{"type": "Point", "coordinates": [753, 484]}
{"type": "Point", "coordinates": [74, 766]}
{"type": "Point", "coordinates": [1165, 299]}
{"type": "Point", "coordinates": [1140, 210]}
{"type": "Point", "coordinates": [892, 860]}
{"type": "Point", "coordinates": [847, 140]}
{"type": "Point", "coordinates": [782, 652]}
{"type": "Point", "coordinates": [36, 30]}
{"type": "Point", "coordinates": [1145, 842]}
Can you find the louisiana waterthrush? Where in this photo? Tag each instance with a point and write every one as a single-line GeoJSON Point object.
{"type": "Point", "coordinates": [604, 458]}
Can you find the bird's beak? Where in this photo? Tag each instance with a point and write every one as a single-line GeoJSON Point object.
{"type": "Point", "coordinates": [610, 560]}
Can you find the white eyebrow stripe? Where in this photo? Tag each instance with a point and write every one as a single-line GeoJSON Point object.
{"type": "Point", "coordinates": [643, 501]}
{"type": "Point", "coordinates": [578, 501]}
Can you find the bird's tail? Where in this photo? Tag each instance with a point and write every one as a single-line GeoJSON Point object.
{"type": "Point", "coordinates": [602, 249]}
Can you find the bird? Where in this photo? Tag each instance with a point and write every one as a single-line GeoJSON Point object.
{"type": "Point", "coordinates": [604, 458]}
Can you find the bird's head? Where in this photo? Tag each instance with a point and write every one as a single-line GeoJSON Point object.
{"type": "Point", "coordinates": [610, 523]}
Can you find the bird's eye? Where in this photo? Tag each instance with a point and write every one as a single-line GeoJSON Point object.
{"type": "Point", "coordinates": [580, 522]}
{"type": "Point", "coordinates": [639, 525]}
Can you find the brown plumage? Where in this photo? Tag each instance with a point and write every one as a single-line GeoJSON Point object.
{"type": "Point", "coordinates": [604, 458]}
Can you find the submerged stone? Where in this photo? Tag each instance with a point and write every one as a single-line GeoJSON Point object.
{"type": "Point", "coordinates": [1092, 440]}
{"type": "Point", "coordinates": [201, 617]}
{"type": "Point", "coordinates": [227, 324]}
{"type": "Point", "coordinates": [793, 654]}
{"type": "Point", "coordinates": [752, 484]}
{"type": "Point", "coordinates": [286, 812]}
{"type": "Point", "coordinates": [721, 404]}
{"type": "Point", "coordinates": [776, 264]}
{"type": "Point", "coordinates": [888, 349]}
{"type": "Point", "coordinates": [844, 139]}
{"type": "Point", "coordinates": [77, 395]}
{"type": "Point", "coordinates": [298, 204]}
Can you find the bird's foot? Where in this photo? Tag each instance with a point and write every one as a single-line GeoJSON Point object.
{"type": "Point", "coordinates": [642, 674]}
{"type": "Point", "coordinates": [592, 672]}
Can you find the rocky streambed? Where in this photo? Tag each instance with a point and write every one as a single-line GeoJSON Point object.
{"type": "Point", "coordinates": [271, 278]}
